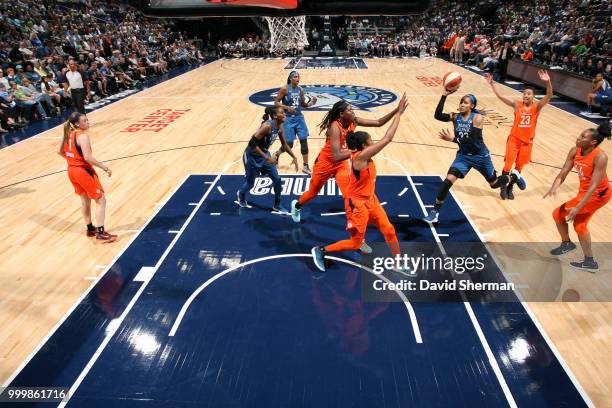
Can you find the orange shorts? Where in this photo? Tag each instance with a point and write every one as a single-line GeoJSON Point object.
{"type": "Point", "coordinates": [85, 181]}
{"type": "Point", "coordinates": [322, 171]}
{"type": "Point", "coordinates": [517, 151]}
{"type": "Point", "coordinates": [584, 215]}
{"type": "Point", "coordinates": [360, 213]}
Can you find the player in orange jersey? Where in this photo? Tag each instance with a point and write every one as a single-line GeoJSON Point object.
{"type": "Point", "coordinates": [362, 205]}
{"type": "Point", "coordinates": [590, 162]}
{"type": "Point", "coordinates": [331, 161]}
{"type": "Point", "coordinates": [76, 149]}
{"type": "Point", "coordinates": [520, 141]}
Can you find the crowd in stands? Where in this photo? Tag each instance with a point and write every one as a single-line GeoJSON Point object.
{"type": "Point", "coordinates": [248, 46]}
{"type": "Point", "coordinates": [254, 46]}
{"type": "Point", "coordinates": [574, 35]}
{"type": "Point", "coordinates": [111, 46]}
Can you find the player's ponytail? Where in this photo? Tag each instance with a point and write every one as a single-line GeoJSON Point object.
{"type": "Point", "coordinates": [70, 125]}
{"type": "Point", "coordinates": [602, 132]}
{"type": "Point", "coordinates": [269, 113]}
{"type": "Point", "coordinates": [356, 140]}
{"type": "Point", "coordinates": [333, 114]}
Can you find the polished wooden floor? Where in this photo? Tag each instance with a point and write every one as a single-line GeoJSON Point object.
{"type": "Point", "coordinates": [47, 262]}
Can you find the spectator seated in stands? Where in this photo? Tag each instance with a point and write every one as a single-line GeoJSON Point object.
{"type": "Point", "coordinates": [601, 94]}
{"type": "Point", "coordinates": [37, 42]}
{"type": "Point", "coordinates": [26, 101]}
{"type": "Point", "coordinates": [43, 98]}
{"type": "Point", "coordinates": [9, 117]}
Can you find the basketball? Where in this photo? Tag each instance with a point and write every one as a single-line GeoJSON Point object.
{"type": "Point", "coordinates": [451, 81]}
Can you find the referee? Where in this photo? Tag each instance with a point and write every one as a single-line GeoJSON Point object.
{"type": "Point", "coordinates": [77, 87]}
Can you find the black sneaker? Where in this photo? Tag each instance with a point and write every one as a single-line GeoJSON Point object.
{"type": "Point", "coordinates": [240, 200]}
{"type": "Point", "coordinates": [589, 266]}
{"type": "Point", "coordinates": [509, 193]}
{"type": "Point", "coordinates": [503, 193]}
{"type": "Point", "coordinates": [566, 246]}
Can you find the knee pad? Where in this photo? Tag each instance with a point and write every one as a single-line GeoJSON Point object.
{"type": "Point", "coordinates": [456, 172]}
{"type": "Point", "coordinates": [304, 146]}
{"type": "Point", "coordinates": [493, 178]}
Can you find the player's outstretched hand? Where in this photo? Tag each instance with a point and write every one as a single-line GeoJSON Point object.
{"type": "Point", "coordinates": [445, 135]}
{"type": "Point", "coordinates": [489, 78]}
{"type": "Point", "coordinates": [403, 103]}
{"type": "Point", "coordinates": [543, 74]}
{"type": "Point", "coordinates": [313, 101]}
{"type": "Point", "coordinates": [551, 193]}
{"type": "Point", "coordinates": [108, 171]}
{"type": "Point", "coordinates": [446, 92]}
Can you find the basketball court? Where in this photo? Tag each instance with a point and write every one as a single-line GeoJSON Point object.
{"type": "Point", "coordinates": [203, 303]}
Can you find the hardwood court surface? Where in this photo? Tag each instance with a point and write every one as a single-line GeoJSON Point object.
{"type": "Point", "coordinates": [48, 263]}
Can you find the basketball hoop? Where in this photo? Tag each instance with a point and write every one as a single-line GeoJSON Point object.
{"type": "Point", "coordinates": [286, 32]}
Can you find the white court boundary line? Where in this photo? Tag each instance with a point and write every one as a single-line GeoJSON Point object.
{"type": "Point", "coordinates": [533, 317]}
{"type": "Point", "coordinates": [468, 306]}
{"type": "Point", "coordinates": [189, 301]}
{"type": "Point", "coordinates": [117, 322]}
{"type": "Point", "coordinates": [88, 290]}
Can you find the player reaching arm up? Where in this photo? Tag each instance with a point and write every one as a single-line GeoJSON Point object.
{"type": "Point", "coordinates": [520, 141]}
{"type": "Point", "coordinates": [361, 202]}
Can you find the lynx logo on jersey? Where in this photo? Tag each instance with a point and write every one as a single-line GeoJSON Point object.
{"type": "Point", "coordinates": [361, 97]}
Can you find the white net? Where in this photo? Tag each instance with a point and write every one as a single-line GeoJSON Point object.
{"type": "Point", "coordinates": [287, 33]}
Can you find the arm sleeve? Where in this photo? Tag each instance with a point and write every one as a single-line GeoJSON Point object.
{"type": "Point", "coordinates": [444, 117]}
{"type": "Point", "coordinates": [476, 135]}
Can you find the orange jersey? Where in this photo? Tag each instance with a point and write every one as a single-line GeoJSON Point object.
{"type": "Point", "coordinates": [584, 167]}
{"type": "Point", "coordinates": [326, 152]}
{"type": "Point", "coordinates": [72, 152]}
{"type": "Point", "coordinates": [525, 120]}
{"type": "Point", "coordinates": [363, 182]}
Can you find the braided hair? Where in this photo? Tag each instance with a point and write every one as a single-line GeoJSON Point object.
{"type": "Point", "coordinates": [270, 113]}
{"type": "Point", "coordinates": [333, 114]}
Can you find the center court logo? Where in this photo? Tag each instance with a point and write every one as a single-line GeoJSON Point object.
{"type": "Point", "coordinates": [361, 97]}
